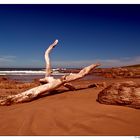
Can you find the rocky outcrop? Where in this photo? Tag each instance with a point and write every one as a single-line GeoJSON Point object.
{"type": "Point", "coordinates": [13, 87]}
{"type": "Point", "coordinates": [103, 84]}
{"type": "Point", "coordinates": [118, 72]}
{"type": "Point", "coordinates": [124, 93]}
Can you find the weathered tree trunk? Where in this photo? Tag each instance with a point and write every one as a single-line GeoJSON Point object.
{"type": "Point", "coordinates": [51, 82]}
{"type": "Point", "coordinates": [49, 68]}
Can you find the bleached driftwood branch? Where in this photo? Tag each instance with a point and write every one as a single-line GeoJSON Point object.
{"type": "Point", "coordinates": [51, 82]}
{"type": "Point", "coordinates": [49, 68]}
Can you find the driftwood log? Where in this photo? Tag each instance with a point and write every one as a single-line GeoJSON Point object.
{"type": "Point", "coordinates": [50, 83]}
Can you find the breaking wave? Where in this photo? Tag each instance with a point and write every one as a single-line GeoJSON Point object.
{"type": "Point", "coordinates": [28, 72]}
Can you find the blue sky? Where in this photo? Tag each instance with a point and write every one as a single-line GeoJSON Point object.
{"type": "Point", "coordinates": [109, 34]}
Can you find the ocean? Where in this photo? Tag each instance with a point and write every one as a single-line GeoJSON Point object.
{"type": "Point", "coordinates": [30, 74]}
{"type": "Point", "coordinates": [27, 74]}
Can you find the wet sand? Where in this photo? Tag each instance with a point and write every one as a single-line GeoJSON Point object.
{"type": "Point", "coordinates": [70, 113]}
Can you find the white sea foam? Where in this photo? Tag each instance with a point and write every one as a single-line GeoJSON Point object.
{"type": "Point", "coordinates": [28, 72]}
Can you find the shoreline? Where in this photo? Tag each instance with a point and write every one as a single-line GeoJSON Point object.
{"type": "Point", "coordinates": [67, 113]}
{"type": "Point", "coordinates": [30, 78]}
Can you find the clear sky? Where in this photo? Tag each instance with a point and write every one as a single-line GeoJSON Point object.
{"type": "Point", "coordinates": [109, 34]}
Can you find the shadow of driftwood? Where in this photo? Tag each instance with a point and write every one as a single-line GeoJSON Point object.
{"type": "Point", "coordinates": [55, 92]}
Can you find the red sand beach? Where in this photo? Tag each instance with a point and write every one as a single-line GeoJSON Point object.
{"type": "Point", "coordinates": [70, 113]}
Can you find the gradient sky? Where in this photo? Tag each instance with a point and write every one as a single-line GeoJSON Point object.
{"type": "Point", "coordinates": [109, 34]}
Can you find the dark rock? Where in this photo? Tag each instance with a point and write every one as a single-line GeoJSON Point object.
{"type": "Point", "coordinates": [103, 84]}
{"type": "Point", "coordinates": [124, 93]}
{"type": "Point", "coordinates": [3, 78]}
{"type": "Point", "coordinates": [92, 85]}
{"type": "Point", "coordinates": [130, 74]}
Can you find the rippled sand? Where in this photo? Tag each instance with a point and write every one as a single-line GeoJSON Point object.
{"type": "Point", "coordinates": [70, 113]}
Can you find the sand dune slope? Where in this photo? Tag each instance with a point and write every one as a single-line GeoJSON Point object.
{"type": "Point", "coordinates": [69, 113]}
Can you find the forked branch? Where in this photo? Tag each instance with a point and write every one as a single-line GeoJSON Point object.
{"type": "Point", "coordinates": [51, 82]}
